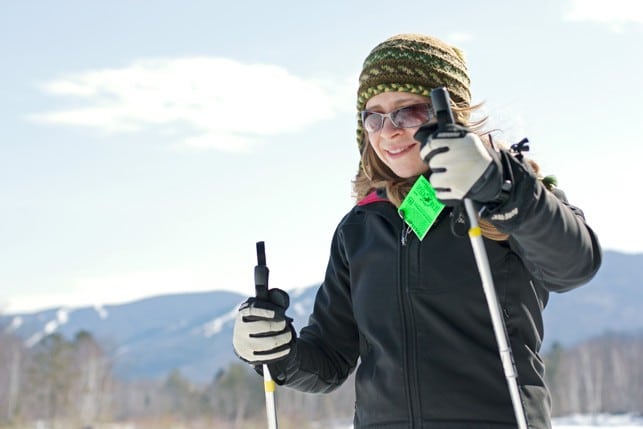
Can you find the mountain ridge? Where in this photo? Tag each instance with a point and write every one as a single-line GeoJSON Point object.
{"type": "Point", "coordinates": [192, 331]}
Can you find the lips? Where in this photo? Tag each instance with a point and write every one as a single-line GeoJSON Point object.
{"type": "Point", "coordinates": [398, 151]}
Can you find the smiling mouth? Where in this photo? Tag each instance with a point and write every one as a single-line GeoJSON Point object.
{"type": "Point", "coordinates": [399, 151]}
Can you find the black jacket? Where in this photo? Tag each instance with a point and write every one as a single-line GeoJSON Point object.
{"type": "Point", "coordinates": [415, 315]}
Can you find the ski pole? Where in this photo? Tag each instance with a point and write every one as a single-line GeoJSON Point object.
{"type": "Point", "coordinates": [442, 108]}
{"type": "Point", "coordinates": [261, 292]}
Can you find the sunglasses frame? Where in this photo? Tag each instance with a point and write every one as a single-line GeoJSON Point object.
{"type": "Point", "coordinates": [365, 114]}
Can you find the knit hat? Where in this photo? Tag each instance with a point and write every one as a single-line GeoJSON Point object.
{"type": "Point", "coordinates": [412, 63]}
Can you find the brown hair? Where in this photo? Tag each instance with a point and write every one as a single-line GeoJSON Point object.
{"type": "Point", "coordinates": [374, 174]}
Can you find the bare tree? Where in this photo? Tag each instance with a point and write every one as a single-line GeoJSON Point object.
{"type": "Point", "coordinates": [92, 379]}
{"type": "Point", "coordinates": [237, 394]}
{"type": "Point", "coordinates": [603, 374]}
{"type": "Point", "coordinates": [11, 352]}
{"type": "Point", "coordinates": [49, 379]}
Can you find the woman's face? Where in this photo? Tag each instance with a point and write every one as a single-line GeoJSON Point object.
{"type": "Point", "coordinates": [394, 146]}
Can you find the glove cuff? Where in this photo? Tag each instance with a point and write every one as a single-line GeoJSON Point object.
{"type": "Point", "coordinates": [505, 178]}
{"type": "Point", "coordinates": [515, 200]}
{"type": "Point", "coordinates": [489, 187]}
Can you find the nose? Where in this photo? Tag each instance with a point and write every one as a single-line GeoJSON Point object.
{"type": "Point", "coordinates": [388, 129]}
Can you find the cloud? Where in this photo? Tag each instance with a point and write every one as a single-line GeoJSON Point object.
{"type": "Point", "coordinates": [613, 12]}
{"type": "Point", "coordinates": [207, 102]}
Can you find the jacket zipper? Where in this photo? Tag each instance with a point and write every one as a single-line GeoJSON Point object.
{"type": "Point", "coordinates": [408, 333]}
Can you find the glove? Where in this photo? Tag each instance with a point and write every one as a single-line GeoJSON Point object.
{"type": "Point", "coordinates": [460, 165]}
{"type": "Point", "coordinates": [262, 332]}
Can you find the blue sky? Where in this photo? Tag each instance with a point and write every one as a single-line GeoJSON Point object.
{"type": "Point", "coordinates": [146, 146]}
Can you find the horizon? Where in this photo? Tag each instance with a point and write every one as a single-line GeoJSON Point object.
{"type": "Point", "coordinates": [99, 306]}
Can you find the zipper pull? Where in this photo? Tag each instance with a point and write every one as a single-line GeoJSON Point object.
{"type": "Point", "coordinates": [405, 229]}
{"type": "Point", "coordinates": [405, 235]}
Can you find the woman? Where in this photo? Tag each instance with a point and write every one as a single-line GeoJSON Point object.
{"type": "Point", "coordinates": [407, 301]}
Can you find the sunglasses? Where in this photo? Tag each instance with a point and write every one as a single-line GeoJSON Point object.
{"type": "Point", "coordinates": [404, 117]}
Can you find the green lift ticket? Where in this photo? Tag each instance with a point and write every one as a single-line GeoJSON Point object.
{"type": "Point", "coordinates": [421, 207]}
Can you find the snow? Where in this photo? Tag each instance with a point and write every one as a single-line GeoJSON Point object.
{"type": "Point", "coordinates": [33, 340]}
{"type": "Point", "coordinates": [302, 308]}
{"type": "Point", "coordinates": [62, 317]}
{"type": "Point", "coordinates": [102, 312]}
{"type": "Point", "coordinates": [618, 421]}
{"type": "Point", "coordinates": [614, 421]}
{"type": "Point", "coordinates": [215, 326]}
{"type": "Point", "coordinates": [16, 322]}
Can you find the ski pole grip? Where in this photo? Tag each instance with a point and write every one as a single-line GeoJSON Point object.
{"type": "Point", "coordinates": [261, 273]}
{"type": "Point", "coordinates": [442, 107]}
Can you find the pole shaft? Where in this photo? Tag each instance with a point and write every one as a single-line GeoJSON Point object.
{"type": "Point", "coordinates": [499, 328]}
{"type": "Point", "coordinates": [261, 291]}
{"type": "Point", "coordinates": [269, 388]}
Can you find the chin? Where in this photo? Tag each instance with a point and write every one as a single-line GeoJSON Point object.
{"type": "Point", "coordinates": [405, 173]}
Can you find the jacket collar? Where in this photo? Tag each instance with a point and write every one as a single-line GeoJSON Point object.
{"type": "Point", "coordinates": [373, 197]}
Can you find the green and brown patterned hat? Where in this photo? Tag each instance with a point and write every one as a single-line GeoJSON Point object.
{"type": "Point", "coordinates": [412, 63]}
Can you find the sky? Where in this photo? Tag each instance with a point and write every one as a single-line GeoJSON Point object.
{"type": "Point", "coordinates": [145, 147]}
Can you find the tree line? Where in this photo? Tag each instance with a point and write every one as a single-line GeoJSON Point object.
{"type": "Point", "coordinates": [603, 374]}
{"type": "Point", "coordinates": [69, 383]}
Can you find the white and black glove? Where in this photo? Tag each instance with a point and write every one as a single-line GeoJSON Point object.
{"type": "Point", "coordinates": [262, 331]}
{"type": "Point", "coordinates": [460, 165]}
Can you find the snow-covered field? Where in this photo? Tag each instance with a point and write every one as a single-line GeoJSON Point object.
{"type": "Point", "coordinates": [621, 421]}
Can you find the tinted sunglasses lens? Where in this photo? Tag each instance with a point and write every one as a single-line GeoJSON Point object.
{"type": "Point", "coordinates": [411, 116]}
{"type": "Point", "coordinates": [372, 121]}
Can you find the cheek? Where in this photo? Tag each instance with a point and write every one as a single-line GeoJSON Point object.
{"type": "Point", "coordinates": [373, 143]}
{"type": "Point", "coordinates": [379, 153]}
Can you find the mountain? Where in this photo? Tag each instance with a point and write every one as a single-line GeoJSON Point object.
{"type": "Point", "coordinates": [611, 302]}
{"type": "Point", "coordinates": [192, 331]}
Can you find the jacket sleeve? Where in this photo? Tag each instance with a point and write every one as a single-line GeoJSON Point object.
{"type": "Point", "coordinates": [326, 351]}
{"type": "Point", "coordinates": [550, 235]}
